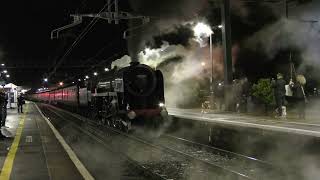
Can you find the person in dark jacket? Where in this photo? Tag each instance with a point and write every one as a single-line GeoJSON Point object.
{"type": "Point", "coordinates": [3, 103]}
{"type": "Point", "coordinates": [20, 104]}
{"type": "Point", "coordinates": [299, 95]}
{"type": "Point", "coordinates": [3, 107]}
{"type": "Point", "coordinates": [279, 92]}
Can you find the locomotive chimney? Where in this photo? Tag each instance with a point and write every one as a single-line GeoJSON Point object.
{"type": "Point", "coordinates": [134, 60]}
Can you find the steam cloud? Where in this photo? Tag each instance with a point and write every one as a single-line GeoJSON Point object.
{"type": "Point", "coordinates": [182, 63]}
{"type": "Point", "coordinates": [285, 34]}
{"type": "Point", "coordinates": [164, 16]}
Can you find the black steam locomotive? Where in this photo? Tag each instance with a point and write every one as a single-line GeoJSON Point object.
{"type": "Point", "coordinates": [134, 94]}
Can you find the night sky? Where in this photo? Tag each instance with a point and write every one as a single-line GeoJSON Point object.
{"type": "Point", "coordinates": [29, 53]}
{"type": "Point", "coordinates": [25, 38]}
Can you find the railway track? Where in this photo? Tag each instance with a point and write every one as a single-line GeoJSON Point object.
{"type": "Point", "coordinates": [243, 166]}
{"type": "Point", "coordinates": [249, 166]}
{"type": "Point", "coordinates": [166, 162]}
{"type": "Point", "coordinates": [131, 170]}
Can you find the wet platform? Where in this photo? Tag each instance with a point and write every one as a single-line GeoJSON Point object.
{"type": "Point", "coordinates": [33, 150]}
{"type": "Point", "coordinates": [309, 127]}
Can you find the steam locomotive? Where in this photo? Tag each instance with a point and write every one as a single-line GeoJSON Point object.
{"type": "Point", "coordinates": [119, 98]}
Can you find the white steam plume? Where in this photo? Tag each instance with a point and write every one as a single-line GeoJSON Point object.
{"type": "Point", "coordinates": [286, 34]}
{"type": "Point", "coordinates": [183, 68]}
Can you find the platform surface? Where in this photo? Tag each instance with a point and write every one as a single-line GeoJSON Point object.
{"type": "Point", "coordinates": [32, 151]}
{"type": "Point", "coordinates": [309, 127]}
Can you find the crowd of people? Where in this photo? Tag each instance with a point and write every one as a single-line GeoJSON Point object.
{"type": "Point", "coordinates": [295, 89]}
{"type": "Point", "coordinates": [3, 109]}
{"type": "Point", "coordinates": [241, 91]}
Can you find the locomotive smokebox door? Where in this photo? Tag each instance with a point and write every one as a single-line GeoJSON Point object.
{"type": "Point", "coordinates": [140, 80]}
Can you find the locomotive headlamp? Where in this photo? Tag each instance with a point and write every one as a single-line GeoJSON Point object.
{"type": "Point", "coordinates": [161, 104]}
{"type": "Point", "coordinates": [132, 115]}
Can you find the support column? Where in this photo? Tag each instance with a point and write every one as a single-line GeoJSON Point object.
{"type": "Point", "coordinates": [211, 76]}
{"type": "Point", "coordinates": [287, 8]}
{"type": "Point", "coordinates": [227, 45]}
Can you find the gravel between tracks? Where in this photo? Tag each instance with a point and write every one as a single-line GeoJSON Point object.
{"type": "Point", "coordinates": [163, 162]}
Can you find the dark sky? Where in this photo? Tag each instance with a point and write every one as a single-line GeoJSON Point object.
{"type": "Point", "coordinates": [29, 53]}
{"type": "Point", "coordinates": [25, 43]}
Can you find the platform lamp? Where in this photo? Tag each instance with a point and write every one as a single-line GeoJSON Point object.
{"type": "Point", "coordinates": [204, 30]}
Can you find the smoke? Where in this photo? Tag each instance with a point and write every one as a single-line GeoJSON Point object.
{"type": "Point", "coordinates": [286, 34]}
{"type": "Point", "coordinates": [311, 168]}
{"type": "Point", "coordinates": [185, 69]}
{"type": "Point", "coordinates": [122, 62]}
{"type": "Point", "coordinates": [299, 32]}
{"type": "Point", "coordinates": [239, 8]}
{"type": "Point", "coordinates": [164, 15]}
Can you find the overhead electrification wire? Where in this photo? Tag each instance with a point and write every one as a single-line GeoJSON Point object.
{"type": "Point", "coordinates": [95, 66]}
{"type": "Point", "coordinates": [79, 38]}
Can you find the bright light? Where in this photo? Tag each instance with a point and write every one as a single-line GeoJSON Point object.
{"type": "Point", "coordinates": [2, 64]}
{"type": "Point", "coordinates": [7, 75]}
{"type": "Point", "coordinates": [45, 79]}
{"type": "Point", "coordinates": [5, 71]}
{"type": "Point", "coordinates": [61, 83]}
{"type": "Point", "coordinates": [220, 26]}
{"type": "Point", "coordinates": [79, 80]}
{"type": "Point", "coordinates": [202, 29]}
{"type": "Point", "coordinates": [87, 77]}
{"type": "Point", "coordinates": [203, 64]}
{"type": "Point", "coordinates": [95, 74]}
{"type": "Point", "coordinates": [161, 104]}
{"type": "Point", "coordinates": [132, 115]}
{"type": "Point", "coordinates": [106, 69]}
{"type": "Point", "coordinates": [72, 82]}
{"type": "Point", "coordinates": [24, 91]}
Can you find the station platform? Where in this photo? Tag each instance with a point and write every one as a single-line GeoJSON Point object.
{"type": "Point", "coordinates": [34, 150]}
{"type": "Point", "coordinates": [309, 127]}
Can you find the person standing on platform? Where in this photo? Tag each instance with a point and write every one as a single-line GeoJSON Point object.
{"type": "Point", "coordinates": [300, 95]}
{"type": "Point", "coordinates": [20, 103]}
{"type": "Point", "coordinates": [2, 113]}
{"type": "Point", "coordinates": [279, 86]}
{"type": "Point", "coordinates": [3, 103]}
{"type": "Point", "coordinates": [4, 108]}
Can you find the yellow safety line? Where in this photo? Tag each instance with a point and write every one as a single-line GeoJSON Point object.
{"type": "Point", "coordinates": [8, 163]}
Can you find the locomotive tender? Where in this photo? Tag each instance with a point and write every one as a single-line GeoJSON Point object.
{"type": "Point", "coordinates": [134, 94]}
